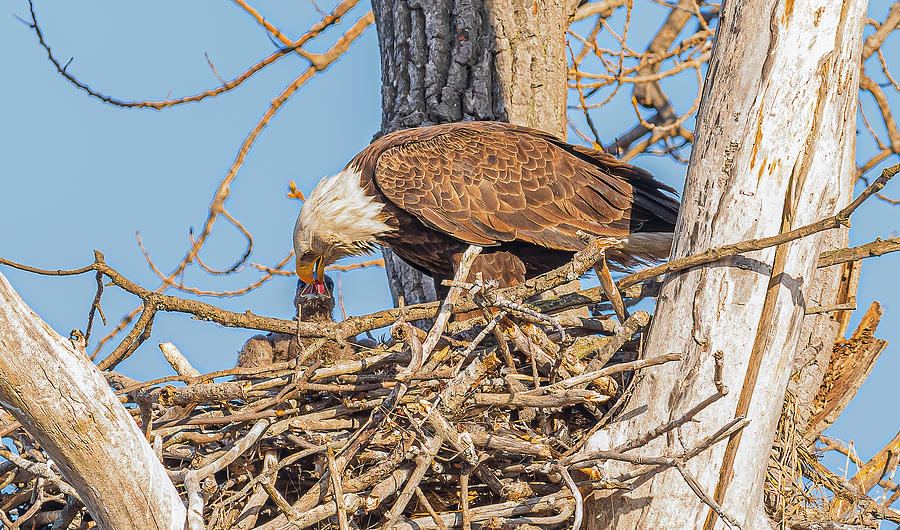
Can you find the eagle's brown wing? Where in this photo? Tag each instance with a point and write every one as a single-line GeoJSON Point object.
{"type": "Point", "coordinates": [486, 183]}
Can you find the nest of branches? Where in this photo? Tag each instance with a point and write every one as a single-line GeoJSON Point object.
{"type": "Point", "coordinates": [802, 493]}
{"type": "Point", "coordinates": [454, 421]}
{"type": "Point", "coordinates": [468, 420]}
{"type": "Point", "coordinates": [474, 413]}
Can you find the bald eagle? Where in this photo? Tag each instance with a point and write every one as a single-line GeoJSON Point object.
{"type": "Point", "coordinates": [524, 195]}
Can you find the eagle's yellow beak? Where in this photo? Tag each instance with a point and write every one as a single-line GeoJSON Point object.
{"type": "Point", "coordinates": [311, 272]}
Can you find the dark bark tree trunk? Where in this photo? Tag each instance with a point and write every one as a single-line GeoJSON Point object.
{"type": "Point", "coordinates": [456, 60]}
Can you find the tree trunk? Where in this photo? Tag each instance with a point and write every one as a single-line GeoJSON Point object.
{"type": "Point", "coordinates": [773, 151]}
{"type": "Point", "coordinates": [63, 401]}
{"type": "Point", "coordinates": [449, 60]}
{"type": "Point", "coordinates": [831, 286]}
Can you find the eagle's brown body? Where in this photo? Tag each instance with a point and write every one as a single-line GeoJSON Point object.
{"type": "Point", "coordinates": [526, 196]}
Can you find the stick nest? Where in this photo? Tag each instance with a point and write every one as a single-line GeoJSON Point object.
{"type": "Point", "coordinates": [462, 425]}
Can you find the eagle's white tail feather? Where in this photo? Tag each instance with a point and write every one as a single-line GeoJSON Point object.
{"type": "Point", "coordinates": [641, 248]}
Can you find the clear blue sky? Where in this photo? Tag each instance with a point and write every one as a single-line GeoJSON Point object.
{"type": "Point", "coordinates": [77, 174]}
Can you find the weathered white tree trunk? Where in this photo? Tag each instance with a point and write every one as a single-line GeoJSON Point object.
{"type": "Point", "coordinates": [64, 402]}
{"type": "Point", "coordinates": [774, 150]}
{"type": "Point", "coordinates": [456, 60]}
{"type": "Point", "coordinates": [831, 286]}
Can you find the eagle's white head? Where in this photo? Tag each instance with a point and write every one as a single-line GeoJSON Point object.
{"type": "Point", "coordinates": [338, 219]}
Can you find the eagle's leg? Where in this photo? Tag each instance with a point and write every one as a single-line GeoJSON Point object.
{"type": "Point", "coordinates": [609, 288]}
{"type": "Point", "coordinates": [503, 267]}
{"type": "Point", "coordinates": [507, 270]}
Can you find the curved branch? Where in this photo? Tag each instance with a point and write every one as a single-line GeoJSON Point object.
{"type": "Point", "coordinates": [216, 207]}
{"type": "Point", "coordinates": [327, 21]}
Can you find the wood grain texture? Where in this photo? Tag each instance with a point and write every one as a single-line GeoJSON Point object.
{"type": "Point", "coordinates": [819, 332]}
{"type": "Point", "coordinates": [773, 150]}
{"type": "Point", "coordinates": [849, 366]}
{"type": "Point", "coordinates": [64, 402]}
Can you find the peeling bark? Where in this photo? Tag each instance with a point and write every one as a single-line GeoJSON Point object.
{"type": "Point", "coordinates": [819, 332]}
{"type": "Point", "coordinates": [849, 365]}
